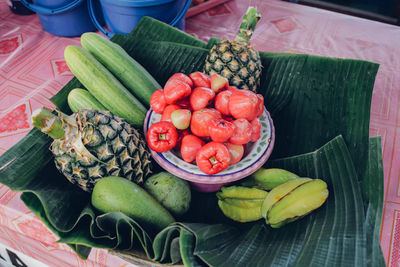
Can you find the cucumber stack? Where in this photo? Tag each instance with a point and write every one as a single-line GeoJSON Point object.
{"type": "Point", "coordinates": [113, 79]}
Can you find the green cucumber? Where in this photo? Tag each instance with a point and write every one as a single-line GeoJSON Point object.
{"type": "Point", "coordinates": [81, 99]}
{"type": "Point", "coordinates": [104, 86]}
{"type": "Point", "coordinates": [133, 75]}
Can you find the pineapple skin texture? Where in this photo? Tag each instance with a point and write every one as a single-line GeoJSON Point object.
{"type": "Point", "coordinates": [239, 63]}
{"type": "Point", "coordinates": [117, 147]}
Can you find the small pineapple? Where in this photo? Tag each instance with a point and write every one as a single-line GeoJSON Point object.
{"type": "Point", "coordinates": [237, 60]}
{"type": "Point", "coordinates": [92, 144]}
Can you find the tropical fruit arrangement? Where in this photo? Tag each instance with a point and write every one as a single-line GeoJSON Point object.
{"type": "Point", "coordinates": [98, 145]}
{"type": "Point", "coordinates": [104, 179]}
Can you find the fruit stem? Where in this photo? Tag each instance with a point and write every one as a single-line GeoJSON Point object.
{"type": "Point", "coordinates": [213, 160]}
{"type": "Point", "coordinates": [48, 123]}
{"type": "Point", "coordinates": [248, 25]}
{"type": "Point", "coordinates": [161, 136]}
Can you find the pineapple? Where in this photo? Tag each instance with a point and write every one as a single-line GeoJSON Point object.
{"type": "Point", "coordinates": [92, 144]}
{"type": "Point", "coordinates": [237, 60]}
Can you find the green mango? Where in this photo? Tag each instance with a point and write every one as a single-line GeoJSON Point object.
{"type": "Point", "coordinates": [241, 192]}
{"type": "Point", "coordinates": [299, 202]}
{"type": "Point", "coordinates": [172, 192]}
{"type": "Point", "coordinates": [240, 214]}
{"type": "Point", "coordinates": [279, 192]}
{"type": "Point", "coordinates": [268, 179]}
{"type": "Point", "coordinates": [116, 194]}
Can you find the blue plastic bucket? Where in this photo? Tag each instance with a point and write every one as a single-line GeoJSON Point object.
{"type": "Point", "coordinates": [121, 16]}
{"type": "Point", "coordinates": [63, 17]}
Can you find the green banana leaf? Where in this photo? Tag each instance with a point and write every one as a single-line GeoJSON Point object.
{"type": "Point", "coordinates": [372, 188]}
{"type": "Point", "coordinates": [334, 235]}
{"type": "Point", "coordinates": [312, 100]}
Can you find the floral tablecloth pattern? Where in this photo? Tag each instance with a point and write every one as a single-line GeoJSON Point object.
{"type": "Point", "coordinates": [32, 69]}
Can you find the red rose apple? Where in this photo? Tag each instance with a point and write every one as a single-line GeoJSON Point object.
{"type": "Point", "coordinates": [213, 158]}
{"type": "Point", "coordinates": [220, 130]}
{"type": "Point", "coordinates": [200, 79]}
{"type": "Point", "coordinates": [260, 105]}
{"type": "Point", "coordinates": [242, 133]}
{"type": "Point", "coordinates": [232, 88]}
{"type": "Point", "coordinates": [184, 103]}
{"type": "Point", "coordinates": [175, 90]}
{"type": "Point", "coordinates": [181, 134]}
{"type": "Point", "coordinates": [222, 102]}
{"type": "Point", "coordinates": [166, 115]}
{"type": "Point", "coordinates": [182, 77]}
{"type": "Point", "coordinates": [189, 147]}
{"type": "Point", "coordinates": [180, 118]}
{"type": "Point", "coordinates": [218, 83]}
{"type": "Point", "coordinates": [201, 119]}
{"type": "Point", "coordinates": [243, 105]}
{"type": "Point", "coordinates": [201, 97]}
{"type": "Point", "coordinates": [162, 136]}
{"type": "Point", "coordinates": [236, 152]}
{"type": "Point", "coordinates": [157, 101]}
{"type": "Point", "coordinates": [256, 127]}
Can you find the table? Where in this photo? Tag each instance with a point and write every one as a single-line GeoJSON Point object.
{"type": "Point", "coordinates": [32, 69]}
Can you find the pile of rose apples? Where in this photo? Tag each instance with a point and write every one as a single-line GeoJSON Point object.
{"type": "Point", "coordinates": [205, 120]}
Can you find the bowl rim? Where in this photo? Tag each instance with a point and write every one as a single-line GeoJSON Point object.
{"type": "Point", "coordinates": [216, 178]}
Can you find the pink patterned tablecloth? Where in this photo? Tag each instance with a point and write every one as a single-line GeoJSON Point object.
{"type": "Point", "coordinates": [32, 69]}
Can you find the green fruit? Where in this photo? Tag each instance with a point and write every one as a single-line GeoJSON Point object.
{"type": "Point", "coordinates": [244, 203]}
{"type": "Point", "coordinates": [240, 203]}
{"type": "Point", "coordinates": [116, 194]}
{"type": "Point", "coordinates": [279, 192]}
{"type": "Point", "coordinates": [172, 192]}
{"type": "Point", "coordinates": [92, 144]}
{"type": "Point", "coordinates": [236, 60]}
{"type": "Point", "coordinates": [279, 225]}
{"type": "Point", "coordinates": [298, 203]}
{"type": "Point", "coordinates": [241, 192]}
{"type": "Point", "coordinates": [268, 179]}
{"type": "Point", "coordinates": [240, 214]}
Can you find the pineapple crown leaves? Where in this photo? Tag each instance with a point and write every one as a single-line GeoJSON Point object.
{"type": "Point", "coordinates": [48, 123]}
{"type": "Point", "coordinates": [62, 127]}
{"type": "Point", "coordinates": [249, 22]}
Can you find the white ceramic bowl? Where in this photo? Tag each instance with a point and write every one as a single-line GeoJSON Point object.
{"type": "Point", "coordinates": [256, 154]}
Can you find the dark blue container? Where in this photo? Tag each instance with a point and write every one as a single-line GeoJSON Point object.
{"type": "Point", "coordinates": [18, 8]}
{"type": "Point", "coordinates": [67, 18]}
{"type": "Point", "coordinates": [121, 16]}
